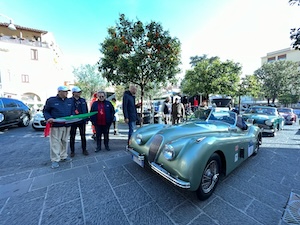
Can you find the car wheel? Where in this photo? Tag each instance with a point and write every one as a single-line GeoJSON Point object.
{"type": "Point", "coordinates": [210, 177]}
{"type": "Point", "coordinates": [259, 142]}
{"type": "Point", "coordinates": [25, 121]}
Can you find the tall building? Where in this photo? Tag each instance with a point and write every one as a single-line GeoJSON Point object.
{"type": "Point", "coordinates": [283, 54]}
{"type": "Point", "coordinates": [31, 64]}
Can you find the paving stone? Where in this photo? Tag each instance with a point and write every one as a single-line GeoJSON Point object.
{"type": "Point", "coordinates": [62, 192]}
{"type": "Point", "coordinates": [69, 213]}
{"type": "Point", "coordinates": [16, 188]}
{"type": "Point", "coordinates": [70, 173]}
{"type": "Point", "coordinates": [118, 161]}
{"type": "Point", "coordinates": [149, 214]}
{"type": "Point", "coordinates": [223, 213]}
{"type": "Point", "coordinates": [163, 194]}
{"type": "Point", "coordinates": [131, 196]}
{"type": "Point", "coordinates": [263, 213]}
{"type": "Point", "coordinates": [233, 196]}
{"type": "Point", "coordinates": [184, 213]}
{"type": "Point", "coordinates": [96, 167]}
{"type": "Point", "coordinates": [203, 220]}
{"type": "Point", "coordinates": [42, 181]}
{"type": "Point", "coordinates": [105, 212]}
{"type": "Point", "coordinates": [22, 212]}
{"type": "Point", "coordinates": [118, 176]}
{"type": "Point", "coordinates": [14, 177]}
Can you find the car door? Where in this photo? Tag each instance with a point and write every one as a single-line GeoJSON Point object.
{"type": "Point", "coordinates": [12, 111]}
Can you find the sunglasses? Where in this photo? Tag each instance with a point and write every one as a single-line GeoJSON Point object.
{"type": "Point", "coordinates": [101, 96]}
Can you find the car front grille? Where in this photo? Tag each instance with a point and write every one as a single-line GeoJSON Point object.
{"type": "Point", "coordinates": [43, 122]}
{"type": "Point", "coordinates": [154, 147]}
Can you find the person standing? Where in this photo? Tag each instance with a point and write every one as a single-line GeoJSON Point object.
{"type": "Point", "coordinates": [178, 111]}
{"type": "Point", "coordinates": [116, 117]}
{"type": "Point", "coordinates": [167, 108]}
{"type": "Point", "coordinates": [56, 107]}
{"type": "Point", "coordinates": [80, 107]}
{"type": "Point", "coordinates": [103, 119]}
{"type": "Point", "coordinates": [129, 109]}
{"type": "Point", "coordinates": [95, 98]}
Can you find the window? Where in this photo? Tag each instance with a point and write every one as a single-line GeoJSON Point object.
{"type": "Point", "coordinates": [25, 78]}
{"type": "Point", "coordinates": [271, 59]}
{"type": "Point", "coordinates": [282, 57]}
{"type": "Point", "coordinates": [34, 54]}
{"type": "Point", "coordinates": [9, 103]}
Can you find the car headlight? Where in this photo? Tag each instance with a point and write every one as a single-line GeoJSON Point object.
{"type": "Point", "coordinates": [139, 139]}
{"type": "Point", "coordinates": [1, 117]}
{"type": "Point", "coordinates": [169, 152]}
{"type": "Point", "coordinates": [269, 122]}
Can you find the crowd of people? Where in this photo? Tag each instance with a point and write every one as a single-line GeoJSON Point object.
{"type": "Point", "coordinates": [64, 115]}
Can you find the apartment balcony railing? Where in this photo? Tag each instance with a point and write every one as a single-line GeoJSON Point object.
{"type": "Point", "coordinates": [23, 41]}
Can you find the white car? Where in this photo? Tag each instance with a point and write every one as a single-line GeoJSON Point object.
{"type": "Point", "coordinates": [38, 121]}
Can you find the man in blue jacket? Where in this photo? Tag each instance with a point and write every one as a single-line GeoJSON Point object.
{"type": "Point", "coordinates": [56, 107]}
{"type": "Point", "coordinates": [129, 109]}
{"type": "Point", "coordinates": [80, 106]}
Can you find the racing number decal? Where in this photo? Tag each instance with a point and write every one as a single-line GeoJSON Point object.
{"type": "Point", "coordinates": [250, 149]}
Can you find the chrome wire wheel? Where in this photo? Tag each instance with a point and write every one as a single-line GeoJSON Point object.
{"type": "Point", "coordinates": [210, 176]}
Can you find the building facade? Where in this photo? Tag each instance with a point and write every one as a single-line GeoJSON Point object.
{"type": "Point", "coordinates": [31, 65]}
{"type": "Point", "coordinates": [283, 54]}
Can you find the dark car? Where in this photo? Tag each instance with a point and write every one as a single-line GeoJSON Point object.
{"type": "Point", "coordinates": [13, 112]}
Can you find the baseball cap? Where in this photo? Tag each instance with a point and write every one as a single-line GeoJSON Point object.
{"type": "Point", "coordinates": [76, 89]}
{"type": "Point", "coordinates": [63, 88]}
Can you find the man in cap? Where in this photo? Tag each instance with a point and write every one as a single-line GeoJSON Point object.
{"type": "Point", "coordinates": [56, 107]}
{"type": "Point", "coordinates": [80, 107]}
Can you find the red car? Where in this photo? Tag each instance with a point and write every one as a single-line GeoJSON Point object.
{"type": "Point", "coordinates": [289, 116]}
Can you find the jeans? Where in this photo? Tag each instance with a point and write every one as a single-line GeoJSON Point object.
{"type": "Point", "coordinates": [102, 129]}
{"type": "Point", "coordinates": [131, 126]}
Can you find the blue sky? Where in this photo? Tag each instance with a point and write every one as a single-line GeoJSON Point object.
{"type": "Point", "coordinates": [242, 31]}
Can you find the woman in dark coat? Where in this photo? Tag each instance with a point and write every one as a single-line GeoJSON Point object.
{"type": "Point", "coordinates": [103, 119]}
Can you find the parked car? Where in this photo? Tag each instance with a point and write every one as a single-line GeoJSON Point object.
{"type": "Point", "coordinates": [192, 155]}
{"type": "Point", "coordinates": [13, 112]}
{"type": "Point", "coordinates": [38, 121]}
{"type": "Point", "coordinates": [265, 117]}
{"type": "Point", "coordinates": [289, 116]}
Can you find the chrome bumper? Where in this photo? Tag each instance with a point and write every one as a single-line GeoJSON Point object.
{"type": "Point", "coordinates": [161, 171]}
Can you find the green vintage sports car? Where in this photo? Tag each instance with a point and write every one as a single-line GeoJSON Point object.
{"type": "Point", "coordinates": [193, 154]}
{"type": "Point", "coordinates": [265, 117]}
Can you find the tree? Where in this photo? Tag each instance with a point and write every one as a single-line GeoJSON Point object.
{"type": "Point", "coordinates": [277, 77]}
{"type": "Point", "coordinates": [89, 79]}
{"type": "Point", "coordinates": [295, 32]}
{"type": "Point", "coordinates": [141, 54]}
{"type": "Point", "coordinates": [212, 76]}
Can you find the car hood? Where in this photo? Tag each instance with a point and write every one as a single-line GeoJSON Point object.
{"type": "Point", "coordinates": [194, 128]}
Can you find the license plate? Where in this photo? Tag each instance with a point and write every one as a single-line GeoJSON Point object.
{"type": "Point", "coordinates": [140, 162]}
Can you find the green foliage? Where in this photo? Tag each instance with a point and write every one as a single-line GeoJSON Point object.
{"type": "Point", "coordinates": [211, 76]}
{"type": "Point", "coordinates": [295, 32]}
{"type": "Point", "coordinates": [277, 78]}
{"type": "Point", "coordinates": [89, 80]}
{"type": "Point", "coordinates": [138, 53]}
{"type": "Point", "coordinates": [250, 86]}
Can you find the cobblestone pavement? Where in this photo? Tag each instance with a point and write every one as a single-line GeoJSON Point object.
{"type": "Point", "coordinates": [108, 188]}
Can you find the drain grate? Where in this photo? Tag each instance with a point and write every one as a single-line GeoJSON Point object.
{"type": "Point", "coordinates": [291, 214]}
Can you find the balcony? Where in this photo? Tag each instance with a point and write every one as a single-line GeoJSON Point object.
{"type": "Point", "coordinates": [23, 41]}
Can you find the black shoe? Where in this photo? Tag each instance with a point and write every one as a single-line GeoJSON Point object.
{"type": "Point", "coordinates": [98, 150]}
{"type": "Point", "coordinates": [85, 152]}
{"type": "Point", "coordinates": [107, 148]}
{"type": "Point", "coordinates": [72, 154]}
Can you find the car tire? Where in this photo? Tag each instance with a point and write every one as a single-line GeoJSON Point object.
{"type": "Point", "coordinates": [210, 177]}
{"type": "Point", "coordinates": [24, 121]}
{"type": "Point", "coordinates": [259, 142]}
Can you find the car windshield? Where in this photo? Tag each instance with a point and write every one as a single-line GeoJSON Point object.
{"type": "Point", "coordinates": [216, 114]}
{"type": "Point", "coordinates": [261, 110]}
{"type": "Point", "coordinates": [284, 110]}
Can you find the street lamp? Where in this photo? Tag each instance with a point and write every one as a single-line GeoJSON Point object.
{"type": "Point", "coordinates": [11, 25]}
